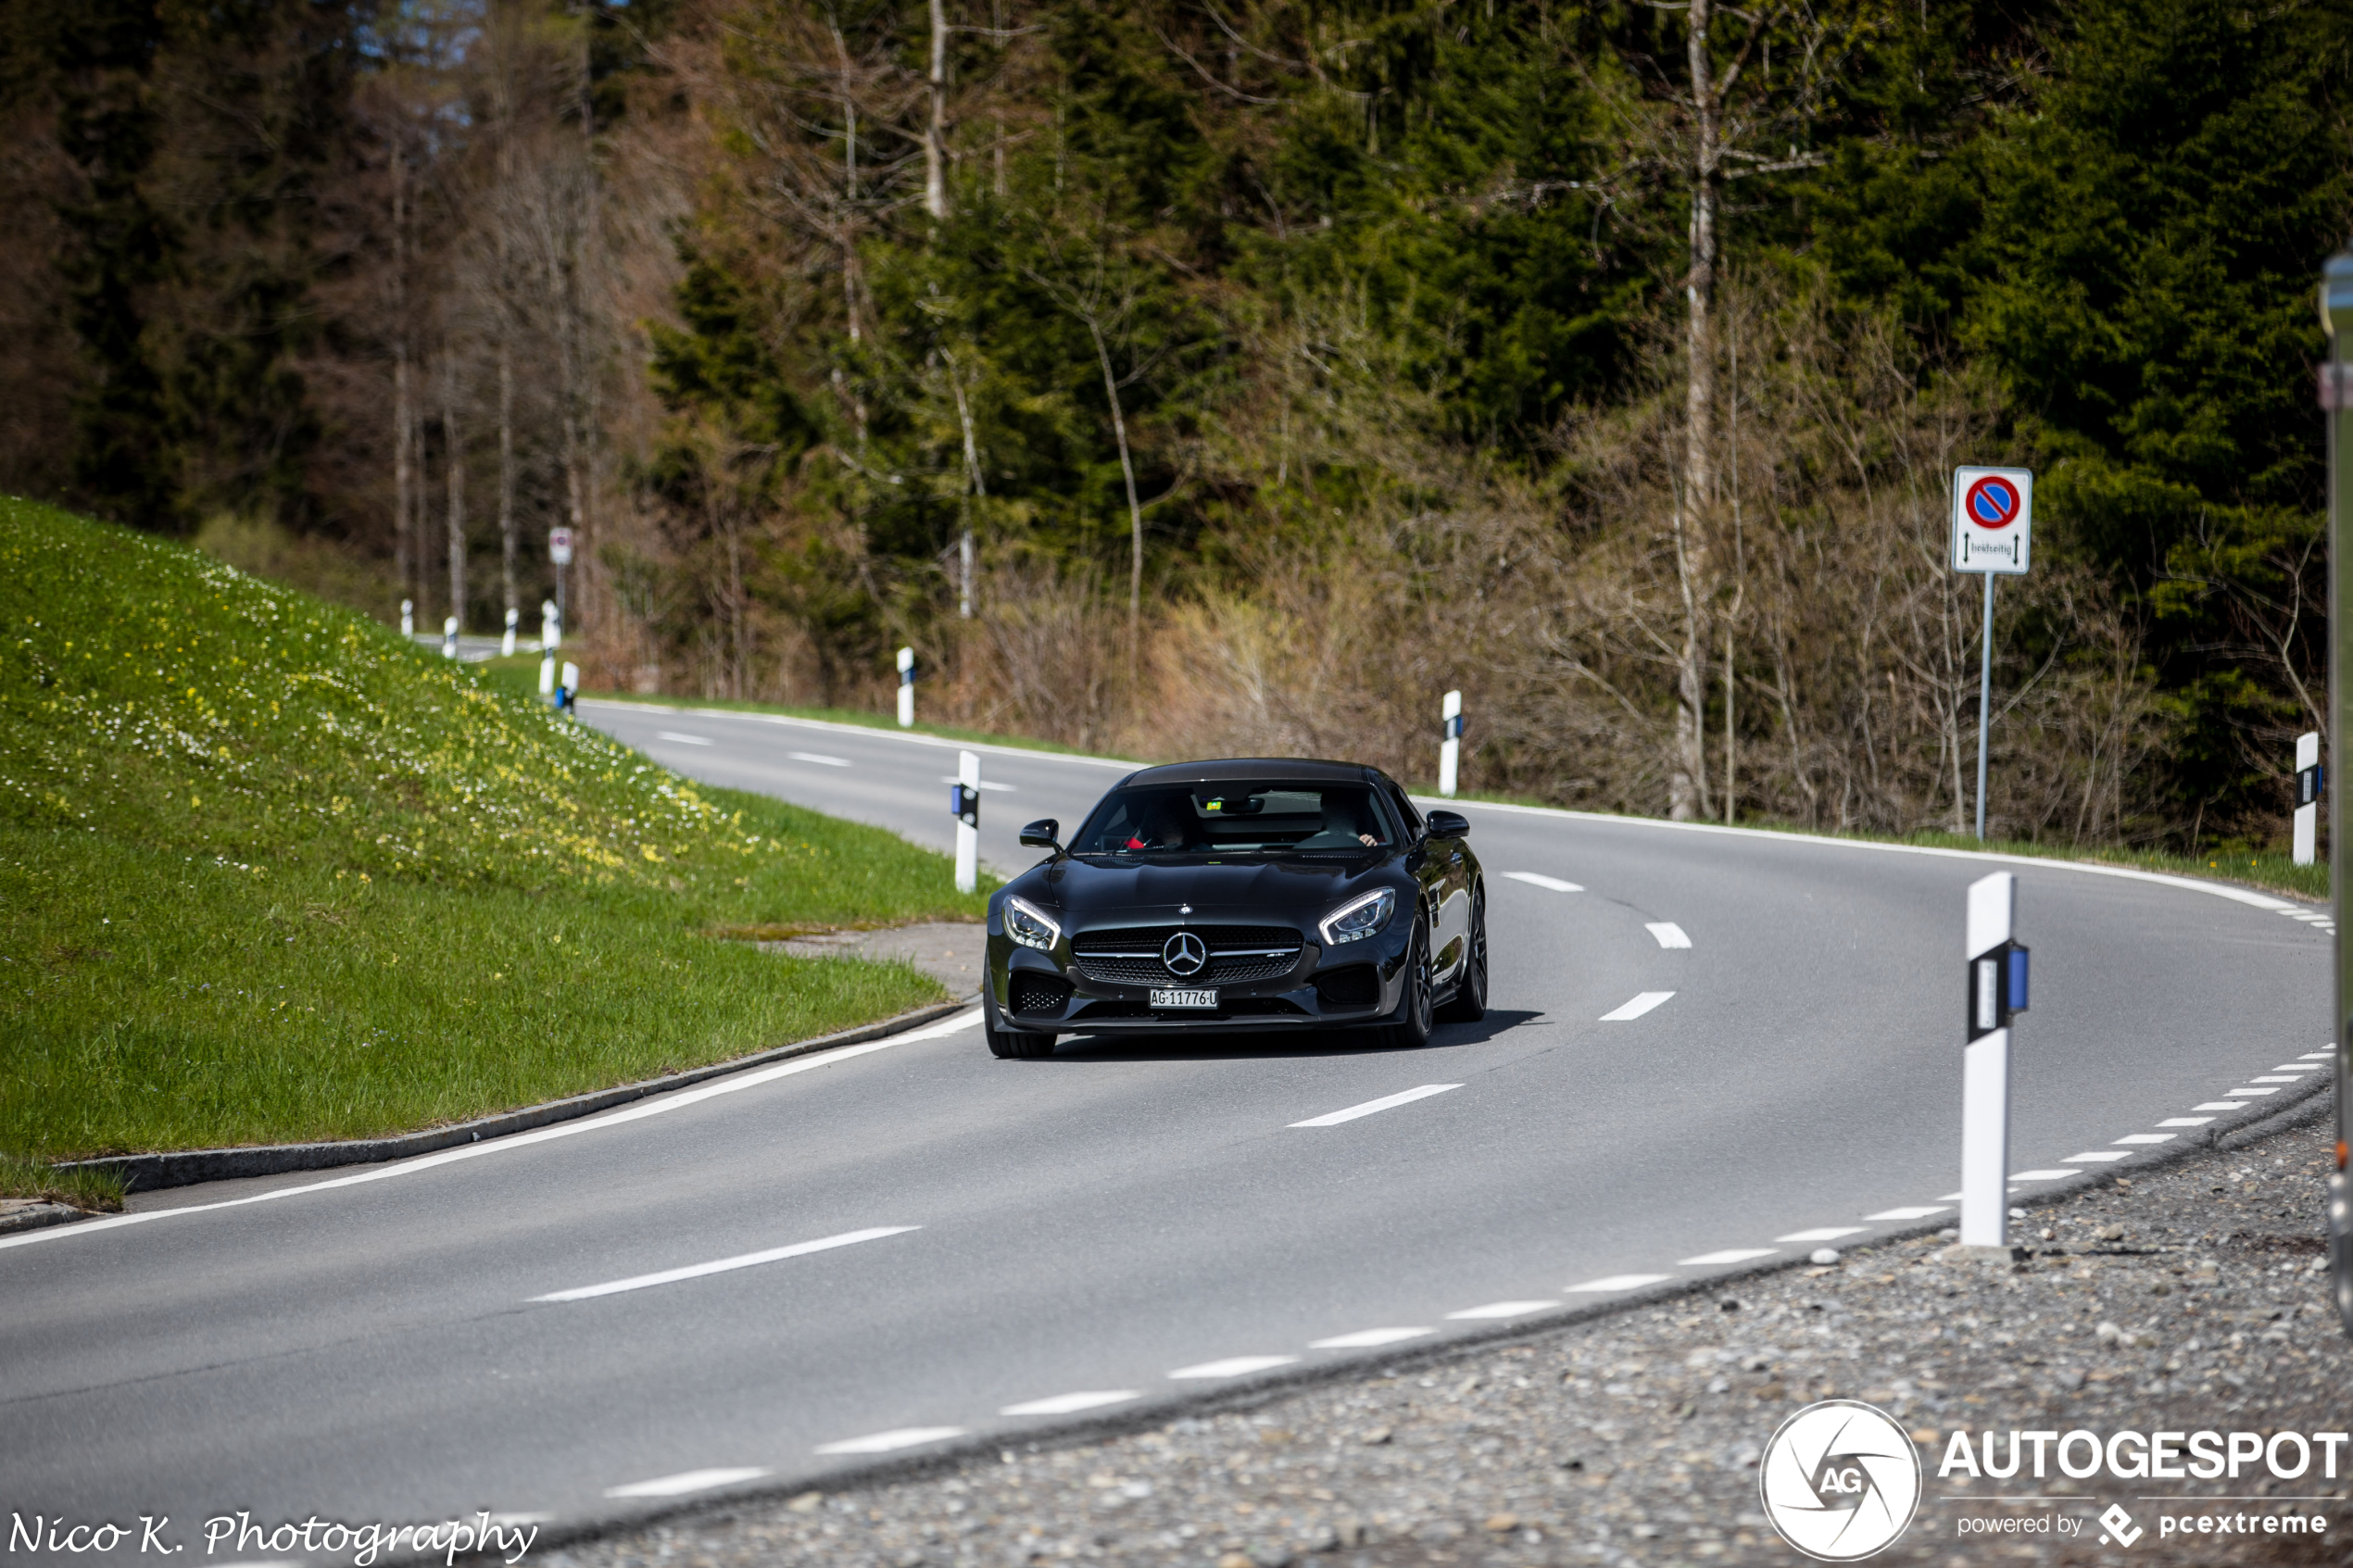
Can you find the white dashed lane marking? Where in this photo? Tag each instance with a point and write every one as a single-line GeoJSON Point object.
{"type": "Point", "coordinates": [819, 757]}
{"type": "Point", "coordinates": [1729, 1255]}
{"type": "Point", "coordinates": [1912, 1212]}
{"type": "Point", "coordinates": [1669, 935]}
{"type": "Point", "coordinates": [1821, 1232]}
{"type": "Point", "coordinates": [2221, 1104]}
{"type": "Point", "coordinates": [1550, 883]}
{"type": "Point", "coordinates": [2041, 1176]}
{"type": "Point", "coordinates": [1387, 1102]}
{"type": "Point", "coordinates": [2185, 1121]}
{"type": "Point", "coordinates": [1636, 1008]}
{"type": "Point", "coordinates": [1066, 1404]}
{"type": "Point", "coordinates": [725, 1265]}
{"type": "Point", "coordinates": [1232, 1366]}
{"type": "Point", "coordinates": [684, 1482]}
{"type": "Point", "coordinates": [1365, 1338]}
{"type": "Point", "coordinates": [886, 1442]}
{"type": "Point", "coordinates": [1608, 1282]}
{"type": "Point", "coordinates": [2099, 1157]}
{"type": "Point", "coordinates": [2146, 1138]}
{"type": "Point", "coordinates": [1501, 1309]}
{"type": "Point", "coordinates": [684, 740]}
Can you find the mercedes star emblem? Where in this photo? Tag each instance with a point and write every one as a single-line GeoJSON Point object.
{"type": "Point", "coordinates": [1184, 954]}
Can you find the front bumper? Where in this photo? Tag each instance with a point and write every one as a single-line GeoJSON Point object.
{"type": "Point", "coordinates": [1055, 997]}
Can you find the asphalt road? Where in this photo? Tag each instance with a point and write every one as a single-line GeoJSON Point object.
{"type": "Point", "coordinates": [1119, 1224]}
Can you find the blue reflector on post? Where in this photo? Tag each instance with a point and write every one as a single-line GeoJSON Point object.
{"type": "Point", "coordinates": [2018, 980]}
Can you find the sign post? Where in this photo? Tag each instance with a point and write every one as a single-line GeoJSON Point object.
{"type": "Point", "coordinates": [2308, 796]}
{"type": "Point", "coordinates": [964, 800]}
{"type": "Point", "coordinates": [560, 543]}
{"type": "Point", "coordinates": [1993, 522]}
{"type": "Point", "coordinates": [1996, 993]}
{"type": "Point", "coordinates": [1450, 750]}
{"type": "Point", "coordinates": [2337, 398]}
{"type": "Point", "coordinates": [906, 688]}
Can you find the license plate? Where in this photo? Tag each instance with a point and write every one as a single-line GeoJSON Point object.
{"type": "Point", "coordinates": [1184, 998]}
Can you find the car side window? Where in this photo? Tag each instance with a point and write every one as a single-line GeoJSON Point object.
{"type": "Point", "coordinates": [1405, 808]}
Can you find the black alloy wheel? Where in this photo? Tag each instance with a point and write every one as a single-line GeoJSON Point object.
{"type": "Point", "coordinates": [1014, 1044]}
{"type": "Point", "coordinates": [1468, 1004]}
{"type": "Point", "coordinates": [1414, 1018]}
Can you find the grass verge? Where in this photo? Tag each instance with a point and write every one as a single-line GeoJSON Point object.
{"type": "Point", "coordinates": [270, 874]}
{"type": "Point", "coordinates": [98, 1190]}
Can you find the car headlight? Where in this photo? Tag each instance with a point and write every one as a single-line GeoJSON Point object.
{"type": "Point", "coordinates": [1359, 918]}
{"type": "Point", "coordinates": [1029, 926]}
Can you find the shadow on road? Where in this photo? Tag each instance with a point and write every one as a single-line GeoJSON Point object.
{"type": "Point", "coordinates": [1299, 1043]}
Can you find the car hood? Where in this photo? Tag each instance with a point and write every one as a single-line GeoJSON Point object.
{"type": "Point", "coordinates": [1301, 889]}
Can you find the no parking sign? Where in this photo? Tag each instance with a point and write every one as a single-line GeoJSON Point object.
{"type": "Point", "coordinates": [1993, 519]}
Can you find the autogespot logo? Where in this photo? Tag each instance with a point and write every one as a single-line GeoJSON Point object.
{"type": "Point", "coordinates": [1840, 1480]}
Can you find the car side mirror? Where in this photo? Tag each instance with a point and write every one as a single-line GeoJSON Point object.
{"type": "Point", "coordinates": [1447, 825]}
{"type": "Point", "coordinates": [1043, 833]}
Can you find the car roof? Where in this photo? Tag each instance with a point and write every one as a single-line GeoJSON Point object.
{"type": "Point", "coordinates": [1306, 770]}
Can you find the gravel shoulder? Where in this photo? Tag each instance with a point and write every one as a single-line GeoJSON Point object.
{"type": "Point", "coordinates": [2191, 1297]}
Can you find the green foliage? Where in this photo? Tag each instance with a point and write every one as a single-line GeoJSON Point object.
{"type": "Point", "coordinates": [268, 871]}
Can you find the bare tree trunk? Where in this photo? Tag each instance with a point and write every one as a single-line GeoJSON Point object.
{"type": "Point", "coordinates": [404, 542]}
{"type": "Point", "coordinates": [974, 487]}
{"type": "Point", "coordinates": [453, 459]}
{"type": "Point", "coordinates": [1135, 511]}
{"type": "Point", "coordinates": [506, 541]}
{"type": "Point", "coordinates": [1687, 788]}
{"type": "Point", "coordinates": [936, 135]}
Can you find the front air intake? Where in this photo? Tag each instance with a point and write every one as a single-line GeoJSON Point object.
{"type": "Point", "coordinates": [1358, 985]}
{"type": "Point", "coordinates": [1038, 993]}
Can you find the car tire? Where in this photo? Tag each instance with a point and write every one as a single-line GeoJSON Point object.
{"type": "Point", "coordinates": [1414, 1018]}
{"type": "Point", "coordinates": [1016, 1044]}
{"type": "Point", "coordinates": [1468, 1004]}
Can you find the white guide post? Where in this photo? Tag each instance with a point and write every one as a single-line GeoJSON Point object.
{"type": "Point", "coordinates": [547, 673]}
{"type": "Point", "coordinates": [1986, 1066]}
{"type": "Point", "coordinates": [507, 644]}
{"type": "Point", "coordinates": [449, 638]}
{"type": "Point", "coordinates": [551, 625]}
{"type": "Point", "coordinates": [2308, 797]}
{"type": "Point", "coordinates": [906, 688]}
{"type": "Point", "coordinates": [967, 821]}
{"type": "Point", "coordinates": [571, 687]}
{"type": "Point", "coordinates": [407, 618]}
{"type": "Point", "coordinates": [1450, 750]}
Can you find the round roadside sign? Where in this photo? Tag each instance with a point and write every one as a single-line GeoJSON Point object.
{"type": "Point", "coordinates": [1991, 502]}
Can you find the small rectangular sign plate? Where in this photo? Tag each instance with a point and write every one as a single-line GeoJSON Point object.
{"type": "Point", "coordinates": [1184, 998]}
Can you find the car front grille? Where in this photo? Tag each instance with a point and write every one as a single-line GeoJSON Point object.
{"type": "Point", "coordinates": [1237, 953]}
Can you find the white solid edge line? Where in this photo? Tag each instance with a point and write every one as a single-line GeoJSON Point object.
{"type": "Point", "coordinates": [885, 1442]}
{"type": "Point", "coordinates": [2099, 1157]}
{"type": "Point", "coordinates": [1365, 1338]}
{"type": "Point", "coordinates": [1762, 835]}
{"type": "Point", "coordinates": [1822, 1233]}
{"type": "Point", "coordinates": [636, 1111]}
{"type": "Point", "coordinates": [1910, 1211]}
{"type": "Point", "coordinates": [725, 1265]}
{"type": "Point", "coordinates": [1550, 883]}
{"type": "Point", "coordinates": [1669, 935]}
{"type": "Point", "coordinates": [1729, 1255]}
{"type": "Point", "coordinates": [1615, 1281]}
{"type": "Point", "coordinates": [1233, 1366]}
{"type": "Point", "coordinates": [1628, 1011]}
{"type": "Point", "coordinates": [1386, 1102]}
{"type": "Point", "coordinates": [908, 736]}
{"type": "Point", "coordinates": [1067, 1404]}
{"type": "Point", "coordinates": [684, 1481]}
{"type": "Point", "coordinates": [1502, 1310]}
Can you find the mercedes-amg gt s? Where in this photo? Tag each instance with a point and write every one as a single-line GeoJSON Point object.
{"type": "Point", "coordinates": [1250, 893]}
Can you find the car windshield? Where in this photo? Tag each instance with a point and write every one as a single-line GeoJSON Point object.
{"type": "Point", "coordinates": [1237, 818]}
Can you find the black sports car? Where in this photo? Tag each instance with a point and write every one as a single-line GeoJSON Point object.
{"type": "Point", "coordinates": [1246, 893]}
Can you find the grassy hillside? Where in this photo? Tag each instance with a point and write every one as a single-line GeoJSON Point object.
{"type": "Point", "coordinates": [269, 871]}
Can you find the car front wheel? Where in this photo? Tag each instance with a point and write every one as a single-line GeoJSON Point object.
{"type": "Point", "coordinates": [1414, 1021]}
{"type": "Point", "coordinates": [1014, 1044]}
{"type": "Point", "coordinates": [1468, 1004]}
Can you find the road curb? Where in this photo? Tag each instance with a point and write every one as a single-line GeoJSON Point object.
{"type": "Point", "coordinates": [149, 1173]}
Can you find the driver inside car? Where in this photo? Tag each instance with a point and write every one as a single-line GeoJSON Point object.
{"type": "Point", "coordinates": [1164, 827]}
{"type": "Point", "coordinates": [1344, 823]}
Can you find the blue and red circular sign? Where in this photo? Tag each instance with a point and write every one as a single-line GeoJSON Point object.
{"type": "Point", "coordinates": [1991, 502]}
